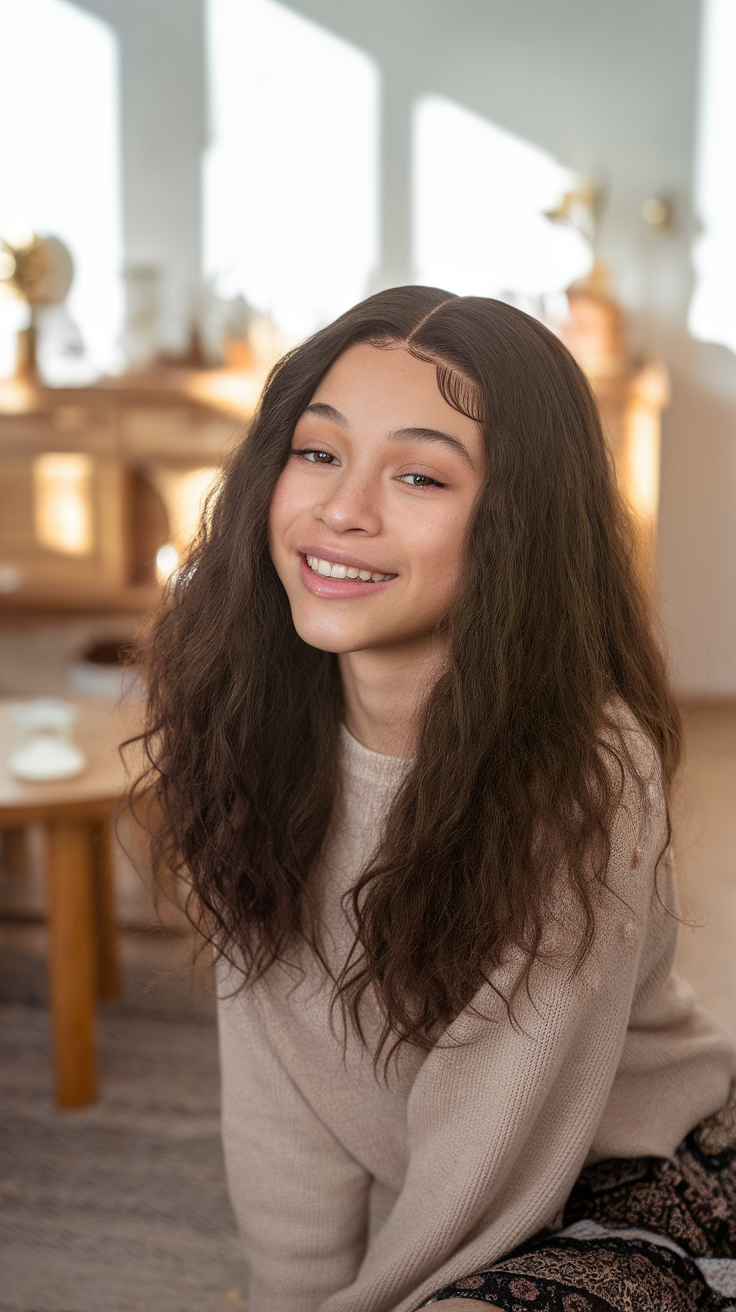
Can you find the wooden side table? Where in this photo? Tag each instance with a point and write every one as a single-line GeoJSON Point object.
{"type": "Point", "coordinates": [83, 963]}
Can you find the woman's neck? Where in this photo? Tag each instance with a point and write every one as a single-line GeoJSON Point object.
{"type": "Point", "coordinates": [385, 690]}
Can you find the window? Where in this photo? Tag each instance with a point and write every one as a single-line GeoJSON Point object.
{"type": "Point", "coordinates": [713, 308]}
{"type": "Point", "coordinates": [59, 152]}
{"type": "Point", "coordinates": [290, 184]}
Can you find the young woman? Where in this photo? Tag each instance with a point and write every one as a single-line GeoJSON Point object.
{"type": "Point", "coordinates": [412, 744]}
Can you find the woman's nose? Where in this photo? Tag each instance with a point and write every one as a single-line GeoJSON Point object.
{"type": "Point", "coordinates": [354, 505]}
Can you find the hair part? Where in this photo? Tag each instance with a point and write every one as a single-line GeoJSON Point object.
{"type": "Point", "coordinates": [512, 780]}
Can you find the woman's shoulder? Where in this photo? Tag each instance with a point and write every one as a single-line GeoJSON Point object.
{"type": "Point", "coordinates": [633, 762]}
{"type": "Point", "coordinates": [622, 734]}
{"type": "Point", "coordinates": [640, 828]}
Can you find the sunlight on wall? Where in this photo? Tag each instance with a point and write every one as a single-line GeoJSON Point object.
{"type": "Point", "coordinates": [290, 183]}
{"type": "Point", "coordinates": [59, 152]}
{"type": "Point", "coordinates": [713, 308]}
{"type": "Point", "coordinates": [479, 197]}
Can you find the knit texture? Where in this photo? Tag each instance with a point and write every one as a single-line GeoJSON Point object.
{"type": "Point", "coordinates": [356, 1192]}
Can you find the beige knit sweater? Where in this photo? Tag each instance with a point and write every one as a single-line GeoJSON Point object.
{"type": "Point", "coordinates": [357, 1195]}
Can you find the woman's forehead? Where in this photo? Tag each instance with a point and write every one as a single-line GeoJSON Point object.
{"type": "Point", "coordinates": [388, 385]}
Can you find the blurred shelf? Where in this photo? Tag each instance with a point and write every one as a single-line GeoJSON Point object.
{"type": "Point", "coordinates": [142, 437]}
{"type": "Point", "coordinates": [125, 597]}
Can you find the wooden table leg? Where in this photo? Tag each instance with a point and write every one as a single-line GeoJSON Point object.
{"type": "Point", "coordinates": [15, 850]}
{"type": "Point", "coordinates": [72, 961]}
{"type": "Point", "coordinates": [108, 967]}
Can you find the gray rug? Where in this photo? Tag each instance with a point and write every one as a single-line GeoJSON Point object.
{"type": "Point", "coordinates": [120, 1206]}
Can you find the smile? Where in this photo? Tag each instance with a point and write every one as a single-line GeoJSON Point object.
{"type": "Point", "coordinates": [329, 570]}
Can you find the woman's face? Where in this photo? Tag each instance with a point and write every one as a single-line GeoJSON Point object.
{"type": "Point", "coordinates": [370, 515]}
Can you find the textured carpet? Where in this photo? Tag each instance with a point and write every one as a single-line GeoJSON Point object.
{"type": "Point", "coordinates": [120, 1206]}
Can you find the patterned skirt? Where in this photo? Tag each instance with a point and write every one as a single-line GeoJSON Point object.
{"type": "Point", "coordinates": [649, 1234]}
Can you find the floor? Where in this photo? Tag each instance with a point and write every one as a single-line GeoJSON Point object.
{"type": "Point", "coordinates": [122, 1206]}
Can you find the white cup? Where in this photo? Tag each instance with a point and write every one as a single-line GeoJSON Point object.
{"type": "Point", "coordinates": [46, 750]}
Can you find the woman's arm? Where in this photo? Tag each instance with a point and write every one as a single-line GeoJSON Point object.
{"type": "Point", "coordinates": [300, 1199]}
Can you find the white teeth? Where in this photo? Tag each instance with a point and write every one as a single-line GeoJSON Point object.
{"type": "Point", "coordinates": [330, 571]}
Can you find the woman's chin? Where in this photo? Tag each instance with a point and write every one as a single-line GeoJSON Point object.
{"type": "Point", "coordinates": [342, 639]}
{"type": "Point", "coordinates": [339, 641]}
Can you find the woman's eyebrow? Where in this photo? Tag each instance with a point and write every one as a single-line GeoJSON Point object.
{"type": "Point", "coordinates": [323, 411]}
{"type": "Point", "coordinates": [328, 412]}
{"type": "Point", "coordinates": [431, 435]}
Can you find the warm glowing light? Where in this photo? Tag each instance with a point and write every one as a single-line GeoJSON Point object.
{"type": "Point", "coordinates": [233, 392]}
{"type": "Point", "coordinates": [184, 493]}
{"type": "Point", "coordinates": [167, 559]}
{"type": "Point", "coordinates": [193, 491]}
{"type": "Point", "coordinates": [643, 459]}
{"type": "Point", "coordinates": [62, 502]}
{"type": "Point", "coordinates": [640, 457]}
{"type": "Point", "coordinates": [17, 396]}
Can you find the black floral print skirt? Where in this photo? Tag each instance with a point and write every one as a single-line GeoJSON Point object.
{"type": "Point", "coordinates": [648, 1234]}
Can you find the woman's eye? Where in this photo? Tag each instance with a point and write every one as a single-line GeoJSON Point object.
{"type": "Point", "coordinates": [420, 480]}
{"type": "Point", "coordinates": [315, 457]}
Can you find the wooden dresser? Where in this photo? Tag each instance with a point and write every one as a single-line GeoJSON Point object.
{"type": "Point", "coordinates": [93, 480]}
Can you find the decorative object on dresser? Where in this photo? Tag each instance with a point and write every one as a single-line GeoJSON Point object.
{"type": "Point", "coordinates": [102, 484]}
{"type": "Point", "coordinates": [631, 394]}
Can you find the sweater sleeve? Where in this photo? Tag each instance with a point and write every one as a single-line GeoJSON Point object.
{"type": "Point", "coordinates": [300, 1199]}
{"type": "Point", "coordinates": [502, 1113]}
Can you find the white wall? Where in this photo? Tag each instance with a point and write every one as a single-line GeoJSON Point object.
{"type": "Point", "coordinates": [605, 87]}
{"type": "Point", "coordinates": [163, 124]}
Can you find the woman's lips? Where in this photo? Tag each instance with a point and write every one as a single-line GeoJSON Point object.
{"type": "Point", "coordinates": [338, 588]}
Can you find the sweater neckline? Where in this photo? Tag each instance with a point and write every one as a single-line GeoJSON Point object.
{"type": "Point", "coordinates": [371, 767]}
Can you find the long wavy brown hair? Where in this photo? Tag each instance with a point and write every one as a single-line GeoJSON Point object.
{"type": "Point", "coordinates": [510, 783]}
